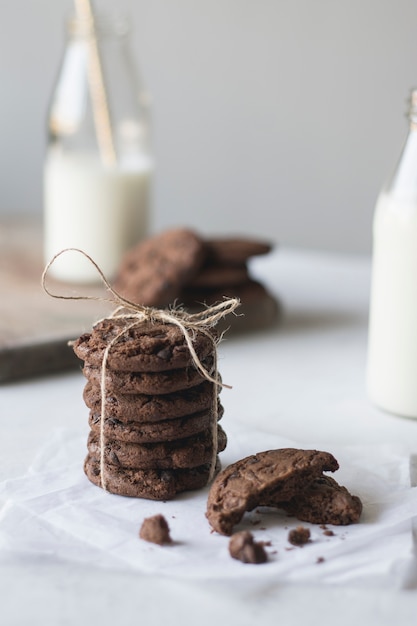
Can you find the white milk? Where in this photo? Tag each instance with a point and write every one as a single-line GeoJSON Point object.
{"type": "Point", "coordinates": [392, 356]}
{"type": "Point", "coordinates": [101, 211]}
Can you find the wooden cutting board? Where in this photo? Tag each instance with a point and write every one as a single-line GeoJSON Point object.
{"type": "Point", "coordinates": [35, 328]}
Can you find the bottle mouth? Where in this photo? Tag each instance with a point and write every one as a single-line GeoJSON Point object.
{"type": "Point", "coordinates": [105, 24]}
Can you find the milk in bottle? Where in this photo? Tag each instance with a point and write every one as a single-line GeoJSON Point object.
{"type": "Point", "coordinates": [392, 348]}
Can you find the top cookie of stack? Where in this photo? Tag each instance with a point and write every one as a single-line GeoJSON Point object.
{"type": "Point", "coordinates": [178, 265]}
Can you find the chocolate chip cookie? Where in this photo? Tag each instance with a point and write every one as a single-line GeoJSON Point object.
{"type": "Point", "coordinates": [153, 272]}
{"type": "Point", "coordinates": [152, 383]}
{"type": "Point", "coordinates": [152, 432]}
{"type": "Point", "coordinates": [145, 347]}
{"type": "Point", "coordinates": [152, 484]}
{"type": "Point", "coordinates": [178, 454]}
{"type": "Point", "coordinates": [151, 408]}
{"type": "Point", "coordinates": [219, 277]}
{"type": "Point", "coordinates": [235, 250]}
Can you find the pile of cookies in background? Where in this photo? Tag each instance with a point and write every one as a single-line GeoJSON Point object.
{"type": "Point", "coordinates": [179, 266]}
{"type": "Point", "coordinates": [154, 428]}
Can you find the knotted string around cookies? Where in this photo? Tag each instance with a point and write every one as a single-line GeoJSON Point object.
{"type": "Point", "coordinates": [137, 314]}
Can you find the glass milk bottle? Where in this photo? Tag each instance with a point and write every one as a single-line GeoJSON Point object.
{"type": "Point", "coordinates": [98, 164]}
{"type": "Point", "coordinates": [392, 350]}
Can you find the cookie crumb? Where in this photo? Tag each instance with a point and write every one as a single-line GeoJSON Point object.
{"type": "Point", "coordinates": [320, 559]}
{"type": "Point", "coordinates": [155, 529]}
{"type": "Point", "coordinates": [299, 536]}
{"type": "Point", "coordinates": [328, 533]}
{"type": "Point", "coordinates": [243, 547]}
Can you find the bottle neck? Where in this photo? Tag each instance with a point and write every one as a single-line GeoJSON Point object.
{"type": "Point", "coordinates": [403, 182]}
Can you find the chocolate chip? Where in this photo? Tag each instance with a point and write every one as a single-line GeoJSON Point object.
{"type": "Point", "coordinates": [165, 477]}
{"type": "Point", "coordinates": [165, 354]}
{"type": "Point", "coordinates": [114, 458]}
{"type": "Point", "coordinates": [113, 421]}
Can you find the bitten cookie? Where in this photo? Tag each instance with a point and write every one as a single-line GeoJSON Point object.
{"type": "Point", "coordinates": [267, 477]}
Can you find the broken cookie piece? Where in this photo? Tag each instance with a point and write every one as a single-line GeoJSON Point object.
{"type": "Point", "coordinates": [325, 502]}
{"type": "Point", "coordinates": [299, 536]}
{"type": "Point", "coordinates": [243, 547]}
{"type": "Point", "coordinates": [286, 478]}
{"type": "Point", "coordinates": [155, 529]}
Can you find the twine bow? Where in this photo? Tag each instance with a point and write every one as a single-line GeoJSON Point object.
{"type": "Point", "coordinates": [137, 314]}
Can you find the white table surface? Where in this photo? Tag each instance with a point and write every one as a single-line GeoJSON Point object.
{"type": "Point", "coordinates": [304, 380]}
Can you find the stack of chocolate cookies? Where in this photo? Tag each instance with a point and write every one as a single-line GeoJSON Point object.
{"type": "Point", "coordinates": [153, 419]}
{"type": "Point", "coordinates": [179, 266]}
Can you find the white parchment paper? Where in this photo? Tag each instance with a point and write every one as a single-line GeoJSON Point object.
{"type": "Point", "coordinates": [54, 511]}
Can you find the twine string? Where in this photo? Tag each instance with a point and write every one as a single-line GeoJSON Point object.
{"type": "Point", "coordinates": [188, 323]}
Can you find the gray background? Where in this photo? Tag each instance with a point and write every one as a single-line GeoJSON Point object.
{"type": "Point", "coordinates": [275, 118]}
